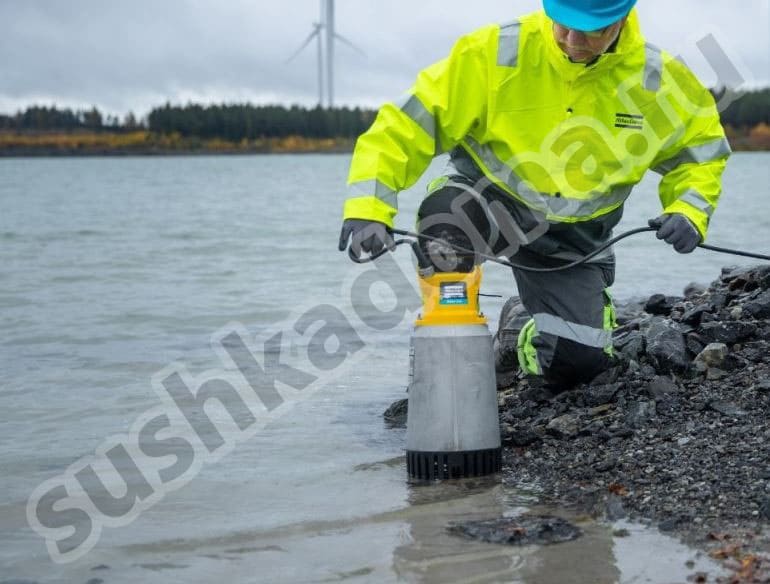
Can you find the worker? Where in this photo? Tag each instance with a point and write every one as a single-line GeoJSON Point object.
{"type": "Point", "coordinates": [549, 121]}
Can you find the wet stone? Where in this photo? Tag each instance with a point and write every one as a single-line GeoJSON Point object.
{"type": "Point", "coordinates": [712, 356]}
{"type": "Point", "coordinates": [639, 413]}
{"type": "Point", "coordinates": [760, 307]}
{"type": "Point", "coordinates": [715, 374]}
{"type": "Point", "coordinates": [521, 437]}
{"type": "Point", "coordinates": [694, 315]}
{"type": "Point", "coordinates": [662, 387]}
{"type": "Point", "coordinates": [566, 426]}
{"type": "Point", "coordinates": [666, 348]}
{"type": "Point", "coordinates": [728, 332]}
{"type": "Point", "coordinates": [601, 394]}
{"type": "Point", "coordinates": [630, 344]}
{"type": "Point", "coordinates": [764, 509]}
{"type": "Point", "coordinates": [695, 343]}
{"type": "Point", "coordinates": [661, 305]}
{"type": "Point", "coordinates": [523, 530]}
{"type": "Point", "coordinates": [727, 409]}
{"type": "Point", "coordinates": [396, 414]}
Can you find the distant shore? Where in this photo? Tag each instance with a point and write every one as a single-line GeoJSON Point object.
{"type": "Point", "coordinates": [146, 143]}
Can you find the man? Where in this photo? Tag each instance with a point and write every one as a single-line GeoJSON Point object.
{"type": "Point", "coordinates": [549, 122]}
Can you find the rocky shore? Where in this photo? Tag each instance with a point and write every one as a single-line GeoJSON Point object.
{"type": "Point", "coordinates": [676, 435]}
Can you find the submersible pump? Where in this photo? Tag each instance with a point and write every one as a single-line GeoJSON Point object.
{"type": "Point", "coordinates": [453, 429]}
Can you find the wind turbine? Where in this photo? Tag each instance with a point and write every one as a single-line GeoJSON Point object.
{"type": "Point", "coordinates": [326, 25]}
{"type": "Point", "coordinates": [317, 27]}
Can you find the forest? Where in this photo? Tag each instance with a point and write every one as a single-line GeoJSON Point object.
{"type": "Point", "coordinates": [237, 128]}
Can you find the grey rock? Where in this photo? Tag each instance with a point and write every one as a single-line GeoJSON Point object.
{"type": "Point", "coordinates": [631, 345]}
{"type": "Point", "coordinates": [693, 289]}
{"type": "Point", "coordinates": [658, 304]}
{"type": "Point", "coordinates": [718, 302]}
{"type": "Point", "coordinates": [396, 414]}
{"type": "Point", "coordinates": [662, 387]}
{"type": "Point", "coordinates": [760, 307]}
{"type": "Point", "coordinates": [606, 464]}
{"type": "Point", "coordinates": [712, 356]}
{"type": "Point", "coordinates": [694, 315]}
{"type": "Point", "coordinates": [611, 375]}
{"type": "Point", "coordinates": [728, 332]}
{"type": "Point", "coordinates": [601, 394]}
{"type": "Point", "coordinates": [648, 371]}
{"type": "Point", "coordinates": [523, 530]}
{"type": "Point", "coordinates": [628, 312]}
{"type": "Point", "coordinates": [695, 343]}
{"type": "Point", "coordinates": [762, 387]}
{"type": "Point", "coordinates": [666, 348]}
{"type": "Point", "coordinates": [521, 436]}
{"type": "Point", "coordinates": [566, 426]}
{"type": "Point", "coordinates": [727, 409]}
{"type": "Point", "coordinates": [715, 374]}
{"type": "Point", "coordinates": [639, 413]}
{"type": "Point", "coordinates": [764, 509]}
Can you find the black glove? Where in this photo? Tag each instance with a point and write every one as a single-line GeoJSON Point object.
{"type": "Point", "coordinates": [677, 230]}
{"type": "Point", "coordinates": [371, 237]}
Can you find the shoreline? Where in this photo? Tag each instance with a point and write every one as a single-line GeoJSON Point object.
{"type": "Point", "coordinates": [147, 144]}
{"type": "Point", "coordinates": [674, 436]}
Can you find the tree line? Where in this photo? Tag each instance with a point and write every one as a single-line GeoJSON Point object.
{"type": "Point", "coordinates": [228, 122]}
{"type": "Point", "coordinates": [250, 122]}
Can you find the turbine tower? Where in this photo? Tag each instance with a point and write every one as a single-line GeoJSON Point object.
{"type": "Point", "coordinates": [329, 22]}
{"type": "Point", "coordinates": [325, 41]}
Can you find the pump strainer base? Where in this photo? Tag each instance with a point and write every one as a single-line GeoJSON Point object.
{"type": "Point", "coordinates": [453, 465]}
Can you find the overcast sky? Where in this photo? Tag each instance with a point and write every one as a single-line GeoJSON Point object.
{"type": "Point", "coordinates": [121, 55]}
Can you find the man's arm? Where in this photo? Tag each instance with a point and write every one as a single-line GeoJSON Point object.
{"type": "Point", "coordinates": [692, 165]}
{"type": "Point", "coordinates": [446, 102]}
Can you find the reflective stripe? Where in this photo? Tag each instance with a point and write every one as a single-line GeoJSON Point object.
{"type": "Point", "coordinates": [373, 188]}
{"type": "Point", "coordinates": [708, 152]}
{"type": "Point", "coordinates": [580, 333]}
{"type": "Point", "coordinates": [554, 208]}
{"type": "Point", "coordinates": [698, 201]}
{"type": "Point", "coordinates": [508, 45]}
{"type": "Point", "coordinates": [653, 67]}
{"type": "Point", "coordinates": [417, 112]}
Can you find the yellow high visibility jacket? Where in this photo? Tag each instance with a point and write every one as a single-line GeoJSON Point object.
{"type": "Point", "coordinates": [565, 140]}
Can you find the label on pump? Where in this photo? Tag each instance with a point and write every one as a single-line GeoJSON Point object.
{"type": "Point", "coordinates": [453, 293]}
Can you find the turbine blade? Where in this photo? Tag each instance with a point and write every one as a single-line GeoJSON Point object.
{"type": "Point", "coordinates": [345, 41]}
{"type": "Point", "coordinates": [308, 40]}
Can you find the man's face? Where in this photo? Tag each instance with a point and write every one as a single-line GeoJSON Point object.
{"type": "Point", "coordinates": [583, 47]}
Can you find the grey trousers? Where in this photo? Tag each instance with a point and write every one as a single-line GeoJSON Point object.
{"type": "Point", "coordinates": [564, 331]}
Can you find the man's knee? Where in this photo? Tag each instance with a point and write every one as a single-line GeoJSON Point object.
{"type": "Point", "coordinates": [451, 214]}
{"type": "Point", "coordinates": [574, 363]}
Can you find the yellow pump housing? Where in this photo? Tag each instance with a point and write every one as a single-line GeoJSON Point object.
{"type": "Point", "coordinates": [451, 299]}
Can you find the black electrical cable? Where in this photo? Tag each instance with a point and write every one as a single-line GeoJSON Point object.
{"type": "Point", "coordinates": [608, 244]}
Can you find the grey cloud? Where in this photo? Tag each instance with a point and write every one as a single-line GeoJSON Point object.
{"type": "Point", "coordinates": [123, 56]}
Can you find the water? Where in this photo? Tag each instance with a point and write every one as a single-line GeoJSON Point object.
{"type": "Point", "coordinates": [111, 269]}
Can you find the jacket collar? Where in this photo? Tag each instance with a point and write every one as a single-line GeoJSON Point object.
{"type": "Point", "coordinates": [630, 41]}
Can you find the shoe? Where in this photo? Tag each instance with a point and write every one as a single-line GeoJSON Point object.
{"type": "Point", "coordinates": [513, 317]}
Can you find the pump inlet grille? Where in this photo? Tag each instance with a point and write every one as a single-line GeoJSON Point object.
{"type": "Point", "coordinates": [453, 465]}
